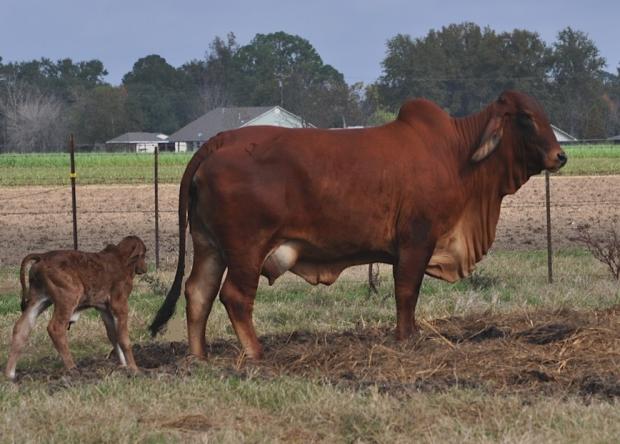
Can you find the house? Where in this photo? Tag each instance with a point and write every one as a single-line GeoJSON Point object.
{"type": "Point", "coordinates": [140, 142]}
{"type": "Point", "coordinates": [195, 133]}
{"type": "Point", "coordinates": [562, 136]}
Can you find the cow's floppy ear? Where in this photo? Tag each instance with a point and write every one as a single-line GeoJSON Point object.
{"type": "Point", "coordinates": [490, 139]}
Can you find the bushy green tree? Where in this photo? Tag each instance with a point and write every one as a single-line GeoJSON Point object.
{"type": "Point", "coordinates": [577, 86]}
{"type": "Point", "coordinates": [101, 114]}
{"type": "Point", "coordinates": [160, 98]}
{"type": "Point", "coordinates": [283, 69]}
{"type": "Point", "coordinates": [462, 66]}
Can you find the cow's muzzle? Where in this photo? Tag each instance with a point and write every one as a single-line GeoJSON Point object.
{"type": "Point", "coordinates": [559, 161]}
{"type": "Point", "coordinates": [562, 158]}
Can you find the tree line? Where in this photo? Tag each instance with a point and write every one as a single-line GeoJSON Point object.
{"type": "Point", "coordinates": [460, 66]}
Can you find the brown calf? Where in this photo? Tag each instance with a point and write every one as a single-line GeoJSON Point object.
{"type": "Point", "coordinates": [73, 281]}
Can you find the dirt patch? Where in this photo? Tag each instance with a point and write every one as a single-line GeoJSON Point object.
{"type": "Point", "coordinates": [554, 353]}
{"type": "Point", "coordinates": [38, 218]}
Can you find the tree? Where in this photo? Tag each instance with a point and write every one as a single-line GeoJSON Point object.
{"type": "Point", "coordinates": [612, 93]}
{"type": "Point", "coordinates": [283, 69]}
{"type": "Point", "coordinates": [101, 114]}
{"type": "Point", "coordinates": [213, 76]}
{"type": "Point", "coordinates": [63, 79]}
{"type": "Point", "coordinates": [159, 97]}
{"type": "Point", "coordinates": [577, 84]}
{"type": "Point", "coordinates": [34, 121]}
{"type": "Point", "coordinates": [461, 67]}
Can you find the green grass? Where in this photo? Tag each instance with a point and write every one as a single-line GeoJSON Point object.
{"type": "Point", "coordinates": [99, 168]}
{"type": "Point", "coordinates": [215, 406]}
{"type": "Point", "coordinates": [104, 168]}
{"type": "Point", "coordinates": [592, 160]}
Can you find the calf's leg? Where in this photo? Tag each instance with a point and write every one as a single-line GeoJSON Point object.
{"type": "Point", "coordinates": [120, 314]}
{"type": "Point", "coordinates": [110, 328]}
{"type": "Point", "coordinates": [21, 332]}
{"type": "Point", "coordinates": [57, 329]}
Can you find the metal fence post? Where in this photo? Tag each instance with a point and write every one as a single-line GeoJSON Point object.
{"type": "Point", "coordinates": [156, 180]}
{"type": "Point", "coordinates": [72, 176]}
{"type": "Point", "coordinates": [549, 245]}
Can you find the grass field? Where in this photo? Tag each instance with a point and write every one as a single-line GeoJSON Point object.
{"type": "Point", "coordinates": [227, 400]}
{"type": "Point", "coordinates": [592, 160]}
{"type": "Point", "coordinates": [102, 168]}
{"type": "Point", "coordinates": [99, 168]}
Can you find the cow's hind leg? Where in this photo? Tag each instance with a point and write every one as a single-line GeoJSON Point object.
{"type": "Point", "coordinates": [201, 289]}
{"type": "Point", "coordinates": [21, 332]}
{"type": "Point", "coordinates": [237, 295]}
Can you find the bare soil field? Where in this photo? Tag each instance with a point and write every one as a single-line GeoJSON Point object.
{"type": "Point", "coordinates": [553, 353]}
{"type": "Point", "coordinates": [38, 218]}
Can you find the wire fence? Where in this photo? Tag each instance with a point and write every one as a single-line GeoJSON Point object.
{"type": "Point", "coordinates": [50, 203]}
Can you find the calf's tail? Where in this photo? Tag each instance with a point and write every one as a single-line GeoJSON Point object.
{"type": "Point", "coordinates": [22, 277]}
{"type": "Point", "coordinates": [167, 309]}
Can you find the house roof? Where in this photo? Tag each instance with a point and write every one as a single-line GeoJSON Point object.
{"type": "Point", "coordinates": [139, 138]}
{"type": "Point", "coordinates": [562, 135]}
{"type": "Point", "coordinates": [615, 137]}
{"type": "Point", "coordinates": [217, 120]}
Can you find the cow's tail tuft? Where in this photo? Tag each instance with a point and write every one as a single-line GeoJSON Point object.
{"type": "Point", "coordinates": [22, 277]}
{"type": "Point", "coordinates": [167, 309]}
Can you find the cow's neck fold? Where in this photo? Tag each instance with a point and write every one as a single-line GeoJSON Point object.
{"type": "Point", "coordinates": [485, 184]}
{"type": "Point", "coordinates": [470, 130]}
{"type": "Point", "coordinates": [502, 171]}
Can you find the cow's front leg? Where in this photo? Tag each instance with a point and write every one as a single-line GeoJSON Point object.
{"type": "Point", "coordinates": [408, 275]}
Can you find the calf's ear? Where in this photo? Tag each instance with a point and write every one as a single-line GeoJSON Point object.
{"type": "Point", "coordinates": [490, 139]}
{"type": "Point", "coordinates": [135, 254]}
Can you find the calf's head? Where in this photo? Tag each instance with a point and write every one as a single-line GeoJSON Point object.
{"type": "Point", "coordinates": [520, 121]}
{"type": "Point", "coordinates": [133, 249]}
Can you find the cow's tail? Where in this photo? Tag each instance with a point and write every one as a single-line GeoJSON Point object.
{"type": "Point", "coordinates": [166, 311]}
{"type": "Point", "coordinates": [22, 277]}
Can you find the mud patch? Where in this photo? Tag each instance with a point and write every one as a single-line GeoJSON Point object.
{"type": "Point", "coordinates": [554, 353]}
{"type": "Point", "coordinates": [189, 423]}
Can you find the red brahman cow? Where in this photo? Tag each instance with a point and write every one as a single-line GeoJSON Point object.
{"type": "Point", "coordinates": [422, 193]}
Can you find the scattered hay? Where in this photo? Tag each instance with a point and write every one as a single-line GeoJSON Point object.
{"type": "Point", "coordinates": [553, 353]}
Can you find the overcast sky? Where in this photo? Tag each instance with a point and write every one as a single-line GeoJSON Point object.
{"type": "Point", "coordinates": [349, 35]}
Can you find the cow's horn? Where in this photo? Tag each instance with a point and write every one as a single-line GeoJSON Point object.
{"type": "Point", "coordinates": [490, 139]}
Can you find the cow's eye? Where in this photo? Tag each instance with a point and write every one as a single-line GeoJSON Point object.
{"type": "Point", "coordinates": [526, 121]}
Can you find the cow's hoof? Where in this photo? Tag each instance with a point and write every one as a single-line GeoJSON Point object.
{"type": "Point", "coordinates": [70, 376]}
{"type": "Point", "coordinates": [407, 334]}
{"type": "Point", "coordinates": [133, 371]}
